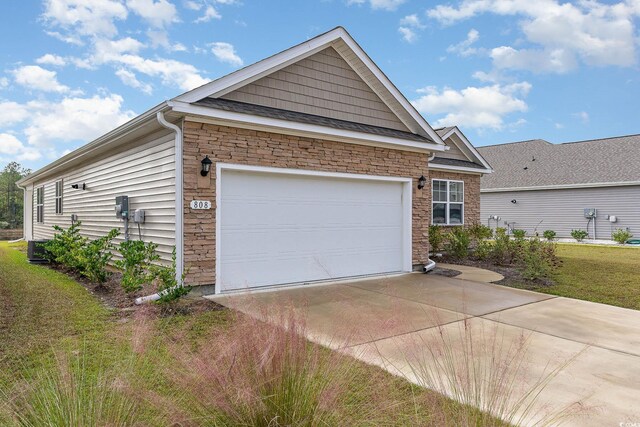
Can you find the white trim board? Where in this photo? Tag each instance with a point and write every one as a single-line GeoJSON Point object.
{"type": "Point", "coordinates": [407, 204]}
{"type": "Point", "coordinates": [460, 169]}
{"type": "Point", "coordinates": [562, 186]}
{"type": "Point", "coordinates": [249, 121]}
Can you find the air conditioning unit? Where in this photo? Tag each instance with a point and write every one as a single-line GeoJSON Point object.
{"type": "Point", "coordinates": [36, 252]}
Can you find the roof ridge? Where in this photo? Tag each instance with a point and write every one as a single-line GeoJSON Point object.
{"type": "Point", "coordinates": [517, 142]}
{"type": "Point", "coordinates": [599, 139]}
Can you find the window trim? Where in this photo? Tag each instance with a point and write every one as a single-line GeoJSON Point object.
{"type": "Point", "coordinates": [448, 202]}
{"type": "Point", "coordinates": [59, 187]}
{"type": "Point", "coordinates": [40, 205]}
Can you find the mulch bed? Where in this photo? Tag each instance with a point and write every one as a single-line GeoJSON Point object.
{"type": "Point", "coordinates": [512, 276]}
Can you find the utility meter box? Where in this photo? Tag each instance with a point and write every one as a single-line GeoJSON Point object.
{"type": "Point", "coordinates": [590, 213]}
{"type": "Point", "coordinates": [122, 207]}
{"type": "Point", "coordinates": [138, 216]}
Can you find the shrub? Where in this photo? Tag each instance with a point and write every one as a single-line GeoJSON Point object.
{"type": "Point", "coordinates": [483, 249]}
{"type": "Point", "coordinates": [169, 288]}
{"type": "Point", "coordinates": [538, 259]}
{"type": "Point", "coordinates": [504, 249]}
{"type": "Point", "coordinates": [579, 235]}
{"type": "Point", "coordinates": [621, 236]}
{"type": "Point", "coordinates": [519, 234]}
{"type": "Point", "coordinates": [67, 246]}
{"type": "Point", "coordinates": [479, 232]}
{"type": "Point", "coordinates": [96, 255]}
{"type": "Point", "coordinates": [4, 225]}
{"type": "Point", "coordinates": [549, 235]}
{"type": "Point", "coordinates": [458, 241]}
{"type": "Point", "coordinates": [435, 238]}
{"type": "Point", "coordinates": [137, 260]}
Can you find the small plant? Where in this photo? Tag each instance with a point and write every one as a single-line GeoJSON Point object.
{"type": "Point", "coordinates": [458, 241]}
{"type": "Point", "coordinates": [137, 260]}
{"type": "Point", "coordinates": [67, 246]}
{"type": "Point", "coordinates": [95, 257]}
{"type": "Point", "coordinates": [538, 259]}
{"type": "Point", "coordinates": [621, 236]}
{"type": "Point", "coordinates": [483, 249]}
{"type": "Point", "coordinates": [519, 234]}
{"type": "Point", "coordinates": [549, 235]}
{"type": "Point", "coordinates": [436, 238]}
{"type": "Point", "coordinates": [504, 249]}
{"type": "Point", "coordinates": [4, 225]}
{"type": "Point", "coordinates": [579, 235]}
{"type": "Point", "coordinates": [169, 288]}
{"type": "Point", "coordinates": [479, 232]}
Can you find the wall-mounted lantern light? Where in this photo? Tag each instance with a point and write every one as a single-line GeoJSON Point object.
{"type": "Point", "coordinates": [82, 186]}
{"type": "Point", "coordinates": [422, 181]}
{"type": "Point", "coordinates": [206, 166]}
{"type": "Point", "coordinates": [514, 201]}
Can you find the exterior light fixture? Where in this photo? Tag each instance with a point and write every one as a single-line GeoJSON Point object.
{"type": "Point", "coordinates": [82, 186]}
{"type": "Point", "coordinates": [514, 201]}
{"type": "Point", "coordinates": [206, 166]}
{"type": "Point", "coordinates": [421, 182]}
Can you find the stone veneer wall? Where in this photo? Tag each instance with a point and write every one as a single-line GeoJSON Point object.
{"type": "Point", "coordinates": [471, 193]}
{"type": "Point", "coordinates": [249, 147]}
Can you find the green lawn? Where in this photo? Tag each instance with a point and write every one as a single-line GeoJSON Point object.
{"type": "Point", "coordinates": [605, 274]}
{"type": "Point", "coordinates": [60, 344]}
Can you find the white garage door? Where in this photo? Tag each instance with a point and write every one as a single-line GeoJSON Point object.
{"type": "Point", "coordinates": [283, 228]}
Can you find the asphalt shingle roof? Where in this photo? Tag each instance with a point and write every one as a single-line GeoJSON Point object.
{"type": "Point", "coordinates": [455, 162]}
{"type": "Point", "coordinates": [293, 116]}
{"type": "Point", "coordinates": [539, 163]}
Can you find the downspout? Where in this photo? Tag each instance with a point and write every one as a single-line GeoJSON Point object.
{"type": "Point", "coordinates": [431, 264]}
{"type": "Point", "coordinates": [179, 190]}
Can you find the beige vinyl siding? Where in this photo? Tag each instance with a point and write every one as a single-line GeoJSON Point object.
{"type": "Point", "coordinates": [322, 84]}
{"type": "Point", "coordinates": [144, 171]}
{"type": "Point", "coordinates": [562, 210]}
{"type": "Point", "coordinates": [454, 152]}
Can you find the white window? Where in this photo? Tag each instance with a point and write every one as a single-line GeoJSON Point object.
{"type": "Point", "coordinates": [59, 197]}
{"type": "Point", "coordinates": [40, 204]}
{"type": "Point", "coordinates": [447, 202]}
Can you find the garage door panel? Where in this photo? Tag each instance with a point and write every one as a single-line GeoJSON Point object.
{"type": "Point", "coordinates": [283, 228]}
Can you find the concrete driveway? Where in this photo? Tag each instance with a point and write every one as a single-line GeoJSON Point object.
{"type": "Point", "coordinates": [394, 321]}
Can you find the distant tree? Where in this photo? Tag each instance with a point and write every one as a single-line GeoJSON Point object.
{"type": "Point", "coordinates": [11, 198]}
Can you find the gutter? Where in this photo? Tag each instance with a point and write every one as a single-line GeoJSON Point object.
{"type": "Point", "coordinates": [179, 190]}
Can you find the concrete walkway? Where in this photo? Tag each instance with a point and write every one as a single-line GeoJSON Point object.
{"type": "Point", "coordinates": [397, 322]}
{"type": "Point", "coordinates": [474, 274]}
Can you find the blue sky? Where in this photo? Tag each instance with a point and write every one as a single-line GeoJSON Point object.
{"type": "Point", "coordinates": [503, 70]}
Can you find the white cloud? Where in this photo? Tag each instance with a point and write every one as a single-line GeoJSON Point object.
{"type": "Point", "coordinates": [171, 72]}
{"type": "Point", "coordinates": [160, 38]}
{"type": "Point", "coordinates": [209, 14]}
{"type": "Point", "coordinates": [130, 79]}
{"type": "Point", "coordinates": [536, 60]}
{"type": "Point", "coordinates": [15, 150]}
{"type": "Point", "coordinates": [158, 13]}
{"type": "Point", "coordinates": [12, 113]}
{"type": "Point", "coordinates": [192, 5]}
{"type": "Point", "coordinates": [4, 82]}
{"type": "Point", "coordinates": [389, 5]}
{"type": "Point", "coordinates": [225, 52]}
{"type": "Point", "coordinates": [409, 26]}
{"type": "Point", "coordinates": [465, 47]}
{"type": "Point", "coordinates": [50, 59]}
{"type": "Point", "coordinates": [84, 17]}
{"type": "Point", "coordinates": [583, 116]}
{"type": "Point", "coordinates": [562, 33]}
{"type": "Point", "coordinates": [36, 77]}
{"type": "Point", "coordinates": [476, 107]}
{"type": "Point", "coordinates": [84, 119]}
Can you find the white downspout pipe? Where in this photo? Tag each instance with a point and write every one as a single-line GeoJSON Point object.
{"type": "Point", "coordinates": [179, 197]}
{"type": "Point", "coordinates": [431, 264]}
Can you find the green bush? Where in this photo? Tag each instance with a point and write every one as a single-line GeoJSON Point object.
{"type": "Point", "coordinates": [537, 259]}
{"type": "Point", "coordinates": [519, 234]}
{"type": "Point", "coordinates": [137, 259]}
{"type": "Point", "coordinates": [436, 238]}
{"type": "Point", "coordinates": [484, 249]}
{"type": "Point", "coordinates": [549, 235]}
{"type": "Point", "coordinates": [503, 249]}
{"type": "Point", "coordinates": [621, 236]}
{"type": "Point", "coordinates": [4, 225]}
{"type": "Point", "coordinates": [95, 257]}
{"type": "Point", "coordinates": [579, 235]}
{"type": "Point", "coordinates": [458, 241]}
{"type": "Point", "coordinates": [479, 232]}
{"type": "Point", "coordinates": [169, 288]}
{"type": "Point", "coordinates": [66, 247]}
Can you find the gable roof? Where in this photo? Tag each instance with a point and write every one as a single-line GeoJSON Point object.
{"type": "Point", "coordinates": [453, 136]}
{"type": "Point", "coordinates": [591, 163]}
{"type": "Point", "coordinates": [340, 40]}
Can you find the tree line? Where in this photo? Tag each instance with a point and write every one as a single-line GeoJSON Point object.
{"type": "Point", "coordinates": [11, 198]}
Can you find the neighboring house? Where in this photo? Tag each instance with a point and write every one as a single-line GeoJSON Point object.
{"type": "Point", "coordinates": [320, 170]}
{"type": "Point", "coordinates": [541, 186]}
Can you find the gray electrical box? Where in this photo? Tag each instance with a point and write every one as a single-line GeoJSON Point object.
{"type": "Point", "coordinates": [122, 207]}
{"type": "Point", "coordinates": [138, 216]}
{"type": "Point", "coordinates": [590, 213]}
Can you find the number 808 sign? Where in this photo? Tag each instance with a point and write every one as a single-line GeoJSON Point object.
{"type": "Point", "coordinates": [200, 204]}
